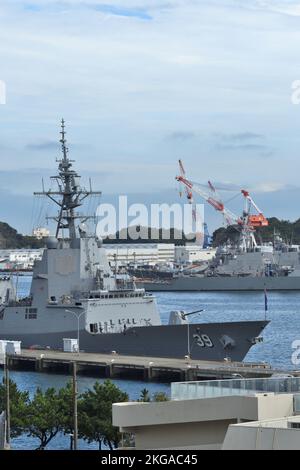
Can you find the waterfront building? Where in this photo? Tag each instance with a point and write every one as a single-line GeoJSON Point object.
{"type": "Point", "coordinates": [219, 414]}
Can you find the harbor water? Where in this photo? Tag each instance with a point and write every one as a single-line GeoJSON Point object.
{"type": "Point", "coordinates": [283, 313]}
{"type": "Point", "coordinates": [276, 349]}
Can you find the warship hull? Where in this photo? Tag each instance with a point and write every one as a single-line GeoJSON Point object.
{"type": "Point", "coordinates": [230, 283]}
{"type": "Point", "coordinates": [211, 341]}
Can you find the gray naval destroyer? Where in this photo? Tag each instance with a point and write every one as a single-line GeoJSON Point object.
{"type": "Point", "coordinates": [73, 282]}
{"type": "Point", "coordinates": [274, 266]}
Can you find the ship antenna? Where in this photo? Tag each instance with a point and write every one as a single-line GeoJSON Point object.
{"type": "Point", "coordinates": [70, 195]}
{"type": "Point", "coordinates": [63, 141]}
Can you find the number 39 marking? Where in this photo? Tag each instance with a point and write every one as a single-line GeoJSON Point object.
{"type": "Point", "coordinates": [203, 341]}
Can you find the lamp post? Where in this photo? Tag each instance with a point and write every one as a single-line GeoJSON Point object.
{"type": "Point", "coordinates": [183, 316]}
{"type": "Point", "coordinates": [7, 397]}
{"type": "Point", "coordinates": [77, 315]}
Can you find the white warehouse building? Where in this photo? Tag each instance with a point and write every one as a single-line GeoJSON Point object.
{"type": "Point", "coordinates": [193, 254]}
{"type": "Point", "coordinates": [24, 258]}
{"type": "Point", "coordinates": [140, 253]}
{"type": "Point", "coordinates": [124, 254]}
{"type": "Point", "coordinates": [157, 253]}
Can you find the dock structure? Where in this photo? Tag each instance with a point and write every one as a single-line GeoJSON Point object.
{"type": "Point", "coordinates": [138, 367]}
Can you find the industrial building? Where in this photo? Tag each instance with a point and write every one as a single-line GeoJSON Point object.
{"type": "Point", "coordinates": [157, 253]}
{"type": "Point", "coordinates": [123, 254]}
{"type": "Point", "coordinates": [19, 259]}
{"type": "Point", "coordinates": [140, 253]}
{"type": "Point", "coordinates": [193, 254]}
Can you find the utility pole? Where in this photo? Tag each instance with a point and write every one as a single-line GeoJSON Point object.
{"type": "Point", "coordinates": [7, 399]}
{"type": "Point", "coordinates": [75, 411]}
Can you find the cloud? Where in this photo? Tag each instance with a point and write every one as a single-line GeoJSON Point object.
{"type": "Point", "coordinates": [286, 7]}
{"type": "Point", "coordinates": [43, 146]}
{"type": "Point", "coordinates": [187, 60]}
{"type": "Point", "coordinates": [134, 91]}
{"type": "Point", "coordinates": [114, 9]}
{"type": "Point", "coordinates": [225, 186]}
{"type": "Point", "coordinates": [181, 135]}
{"type": "Point", "coordinates": [243, 141]}
{"type": "Point", "coordinates": [270, 187]}
{"type": "Point", "coordinates": [241, 147]}
{"type": "Point", "coordinates": [241, 137]}
{"type": "Point", "coordinates": [139, 13]}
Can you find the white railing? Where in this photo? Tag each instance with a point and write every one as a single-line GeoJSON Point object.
{"type": "Point", "coordinates": [231, 387]}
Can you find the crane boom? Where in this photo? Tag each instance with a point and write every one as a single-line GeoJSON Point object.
{"type": "Point", "coordinates": [215, 202]}
{"type": "Point", "coordinates": [247, 223]}
{"type": "Point", "coordinates": [254, 220]}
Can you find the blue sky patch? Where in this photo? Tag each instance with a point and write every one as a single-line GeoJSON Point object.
{"type": "Point", "coordinates": [116, 10]}
{"type": "Point", "coordinates": [123, 11]}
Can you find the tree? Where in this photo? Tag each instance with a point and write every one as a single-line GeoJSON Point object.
{"type": "Point", "coordinates": [44, 416]}
{"type": "Point", "coordinates": [96, 414]}
{"type": "Point", "coordinates": [10, 238]}
{"type": "Point", "coordinates": [18, 407]}
{"type": "Point", "coordinates": [145, 395]}
{"type": "Point", "coordinates": [66, 398]}
{"type": "Point", "coordinates": [160, 396]}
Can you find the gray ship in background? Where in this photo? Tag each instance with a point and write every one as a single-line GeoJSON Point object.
{"type": "Point", "coordinates": [73, 282]}
{"type": "Point", "coordinates": [243, 265]}
{"type": "Point", "coordinates": [271, 267]}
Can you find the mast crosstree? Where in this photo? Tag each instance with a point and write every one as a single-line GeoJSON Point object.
{"type": "Point", "coordinates": [69, 195]}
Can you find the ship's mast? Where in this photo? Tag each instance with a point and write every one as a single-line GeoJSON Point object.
{"type": "Point", "coordinates": [70, 194]}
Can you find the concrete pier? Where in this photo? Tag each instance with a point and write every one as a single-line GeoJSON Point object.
{"type": "Point", "coordinates": [138, 367]}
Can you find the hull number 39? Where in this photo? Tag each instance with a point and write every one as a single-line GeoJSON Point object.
{"type": "Point", "coordinates": [203, 341]}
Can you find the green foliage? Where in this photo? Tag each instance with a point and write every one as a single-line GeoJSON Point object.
{"type": "Point", "coordinates": [288, 231]}
{"type": "Point", "coordinates": [223, 235]}
{"type": "Point", "coordinates": [65, 395]}
{"type": "Point", "coordinates": [50, 412]}
{"type": "Point", "coordinates": [96, 414]}
{"type": "Point", "coordinates": [160, 396]}
{"type": "Point", "coordinates": [45, 416]}
{"type": "Point", "coordinates": [146, 397]}
{"type": "Point", "coordinates": [18, 407]}
{"type": "Point", "coordinates": [10, 238]}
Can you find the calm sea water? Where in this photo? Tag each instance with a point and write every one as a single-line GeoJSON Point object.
{"type": "Point", "coordinates": [283, 312]}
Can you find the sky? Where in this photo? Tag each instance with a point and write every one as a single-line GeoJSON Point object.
{"type": "Point", "coordinates": [142, 83]}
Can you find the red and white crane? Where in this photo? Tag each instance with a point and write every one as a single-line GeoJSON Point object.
{"type": "Point", "coordinates": [246, 224]}
{"type": "Point", "coordinates": [210, 195]}
{"type": "Point", "coordinates": [254, 220]}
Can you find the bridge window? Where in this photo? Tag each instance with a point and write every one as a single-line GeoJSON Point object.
{"type": "Point", "coordinates": [93, 327]}
{"type": "Point", "coordinates": [30, 316]}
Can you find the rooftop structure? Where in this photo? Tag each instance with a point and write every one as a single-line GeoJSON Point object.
{"type": "Point", "coordinates": [209, 415]}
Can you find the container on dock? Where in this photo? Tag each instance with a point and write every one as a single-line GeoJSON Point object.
{"type": "Point", "coordinates": [70, 345]}
{"type": "Point", "coordinates": [9, 347]}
